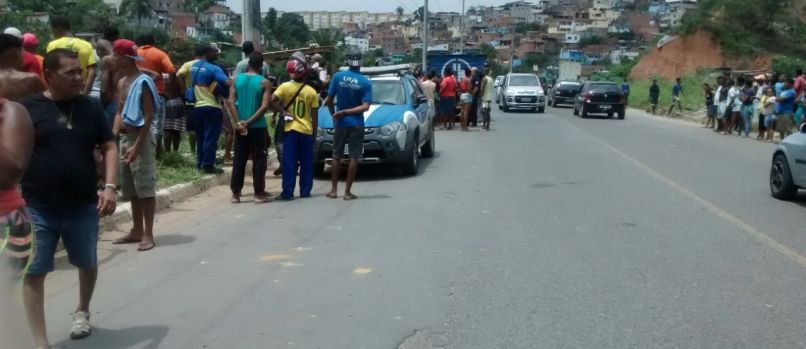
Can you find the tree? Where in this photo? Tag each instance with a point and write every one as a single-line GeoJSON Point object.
{"type": "Point", "coordinates": [399, 10]}
{"type": "Point", "coordinates": [418, 14]}
{"type": "Point", "coordinates": [488, 51]}
{"type": "Point", "coordinates": [291, 31]}
{"type": "Point", "coordinates": [590, 40]}
{"type": "Point", "coordinates": [139, 9]}
{"type": "Point", "coordinates": [327, 37]}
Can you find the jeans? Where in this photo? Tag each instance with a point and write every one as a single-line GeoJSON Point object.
{"type": "Point", "coordinates": [208, 122]}
{"type": "Point", "coordinates": [297, 149]}
{"type": "Point", "coordinates": [76, 226]}
{"type": "Point", "coordinates": [254, 143]}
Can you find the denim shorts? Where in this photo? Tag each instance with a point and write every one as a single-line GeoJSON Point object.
{"type": "Point", "coordinates": [76, 226]}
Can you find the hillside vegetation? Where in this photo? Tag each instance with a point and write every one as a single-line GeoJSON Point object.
{"type": "Point", "coordinates": [747, 27]}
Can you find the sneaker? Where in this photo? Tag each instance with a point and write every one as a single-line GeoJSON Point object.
{"type": "Point", "coordinates": [81, 325]}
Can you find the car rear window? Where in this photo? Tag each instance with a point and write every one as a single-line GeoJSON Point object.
{"type": "Point", "coordinates": [569, 87]}
{"type": "Point", "coordinates": [605, 88]}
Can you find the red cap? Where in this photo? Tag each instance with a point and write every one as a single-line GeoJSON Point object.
{"type": "Point", "coordinates": [29, 40]}
{"type": "Point", "coordinates": [126, 48]}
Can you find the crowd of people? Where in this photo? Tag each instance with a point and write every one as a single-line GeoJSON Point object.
{"type": "Point", "coordinates": [778, 104]}
{"type": "Point", "coordinates": [472, 93]}
{"type": "Point", "coordinates": [83, 119]}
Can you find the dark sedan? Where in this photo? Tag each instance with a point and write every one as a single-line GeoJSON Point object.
{"type": "Point", "coordinates": [599, 97]}
{"type": "Point", "coordinates": [564, 92]}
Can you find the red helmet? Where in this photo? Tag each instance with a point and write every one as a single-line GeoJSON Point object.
{"type": "Point", "coordinates": [296, 68]}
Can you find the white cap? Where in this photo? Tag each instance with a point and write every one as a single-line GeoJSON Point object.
{"type": "Point", "coordinates": [13, 31]}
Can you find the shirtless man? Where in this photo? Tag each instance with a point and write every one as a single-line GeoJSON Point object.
{"type": "Point", "coordinates": [16, 83]}
{"type": "Point", "coordinates": [16, 145]}
{"type": "Point", "coordinates": [137, 144]}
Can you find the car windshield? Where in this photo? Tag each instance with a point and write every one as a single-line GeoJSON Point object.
{"type": "Point", "coordinates": [568, 87]}
{"type": "Point", "coordinates": [388, 92]}
{"type": "Point", "coordinates": [523, 80]}
{"type": "Point", "coordinates": [602, 88]}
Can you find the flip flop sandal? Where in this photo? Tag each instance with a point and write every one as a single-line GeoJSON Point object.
{"type": "Point", "coordinates": [350, 197]}
{"type": "Point", "coordinates": [332, 196]}
{"type": "Point", "coordinates": [146, 247]}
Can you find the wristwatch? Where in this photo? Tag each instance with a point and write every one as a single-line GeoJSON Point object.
{"type": "Point", "coordinates": [110, 186]}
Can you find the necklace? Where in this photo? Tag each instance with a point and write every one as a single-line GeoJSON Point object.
{"type": "Point", "coordinates": [64, 119]}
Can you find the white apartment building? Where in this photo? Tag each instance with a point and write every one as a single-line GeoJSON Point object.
{"type": "Point", "coordinates": [335, 19]}
{"type": "Point", "coordinates": [362, 43]}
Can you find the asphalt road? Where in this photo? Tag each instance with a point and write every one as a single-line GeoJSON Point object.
{"type": "Point", "coordinates": [550, 231]}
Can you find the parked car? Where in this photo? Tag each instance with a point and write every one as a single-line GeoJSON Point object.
{"type": "Point", "coordinates": [398, 127]}
{"type": "Point", "coordinates": [563, 92]}
{"type": "Point", "coordinates": [788, 171]}
{"type": "Point", "coordinates": [599, 97]}
{"type": "Point", "coordinates": [499, 81]}
{"type": "Point", "coordinates": [522, 91]}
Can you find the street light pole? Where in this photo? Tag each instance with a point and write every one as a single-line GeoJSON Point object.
{"type": "Point", "coordinates": [462, 29]}
{"type": "Point", "coordinates": [425, 37]}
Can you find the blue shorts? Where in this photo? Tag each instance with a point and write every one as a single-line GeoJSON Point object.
{"type": "Point", "coordinates": [76, 226]}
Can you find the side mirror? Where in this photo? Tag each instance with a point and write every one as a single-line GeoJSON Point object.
{"type": "Point", "coordinates": [803, 127]}
{"type": "Point", "coordinates": [495, 84]}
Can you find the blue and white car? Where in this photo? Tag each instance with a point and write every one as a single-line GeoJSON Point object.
{"type": "Point", "coordinates": [398, 127]}
{"type": "Point", "coordinates": [788, 171]}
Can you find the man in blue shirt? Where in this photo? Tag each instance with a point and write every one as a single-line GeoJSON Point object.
{"type": "Point", "coordinates": [785, 102]}
{"type": "Point", "coordinates": [207, 112]}
{"type": "Point", "coordinates": [353, 92]}
{"type": "Point", "coordinates": [676, 90]}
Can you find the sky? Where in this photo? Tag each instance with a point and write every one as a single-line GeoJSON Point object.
{"type": "Point", "coordinates": [365, 5]}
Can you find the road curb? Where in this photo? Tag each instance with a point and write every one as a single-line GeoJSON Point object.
{"type": "Point", "coordinates": [167, 197]}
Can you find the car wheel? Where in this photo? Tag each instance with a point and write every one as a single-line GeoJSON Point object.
{"type": "Point", "coordinates": [541, 110]}
{"type": "Point", "coordinates": [576, 112]}
{"type": "Point", "coordinates": [584, 112]}
{"type": "Point", "coordinates": [781, 184]}
{"type": "Point", "coordinates": [412, 164]}
{"type": "Point", "coordinates": [621, 114]}
{"type": "Point", "coordinates": [506, 107]}
{"type": "Point", "coordinates": [427, 151]}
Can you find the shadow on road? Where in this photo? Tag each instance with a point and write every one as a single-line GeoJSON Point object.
{"type": "Point", "coordinates": [382, 172]}
{"type": "Point", "coordinates": [145, 337]}
{"type": "Point", "coordinates": [174, 239]}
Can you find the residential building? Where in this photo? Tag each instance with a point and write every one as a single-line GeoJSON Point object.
{"type": "Point", "coordinates": [316, 20]}
{"type": "Point", "coordinates": [219, 17]}
{"type": "Point", "coordinates": [360, 42]}
{"type": "Point", "coordinates": [676, 10]}
{"type": "Point", "coordinates": [183, 25]}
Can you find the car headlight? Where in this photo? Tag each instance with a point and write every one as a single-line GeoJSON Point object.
{"type": "Point", "coordinates": [540, 92]}
{"type": "Point", "coordinates": [392, 128]}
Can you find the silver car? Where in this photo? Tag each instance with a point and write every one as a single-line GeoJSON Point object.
{"type": "Point", "coordinates": [788, 172]}
{"type": "Point", "coordinates": [499, 82]}
{"type": "Point", "coordinates": [522, 91]}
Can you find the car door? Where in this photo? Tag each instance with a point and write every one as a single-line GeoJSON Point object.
{"type": "Point", "coordinates": [421, 109]}
{"type": "Point", "coordinates": [799, 168]}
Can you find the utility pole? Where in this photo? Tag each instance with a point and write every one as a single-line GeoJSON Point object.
{"type": "Point", "coordinates": [462, 29]}
{"type": "Point", "coordinates": [425, 38]}
{"type": "Point", "coordinates": [250, 28]}
{"type": "Point", "coordinates": [512, 50]}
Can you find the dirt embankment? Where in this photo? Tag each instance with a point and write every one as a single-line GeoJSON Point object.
{"type": "Point", "coordinates": [682, 56]}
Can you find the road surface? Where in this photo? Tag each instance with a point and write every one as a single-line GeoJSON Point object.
{"type": "Point", "coordinates": [550, 231]}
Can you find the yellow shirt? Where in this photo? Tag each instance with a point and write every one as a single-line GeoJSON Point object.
{"type": "Point", "coordinates": [86, 55]}
{"type": "Point", "coordinates": [184, 72]}
{"type": "Point", "coordinates": [301, 108]}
